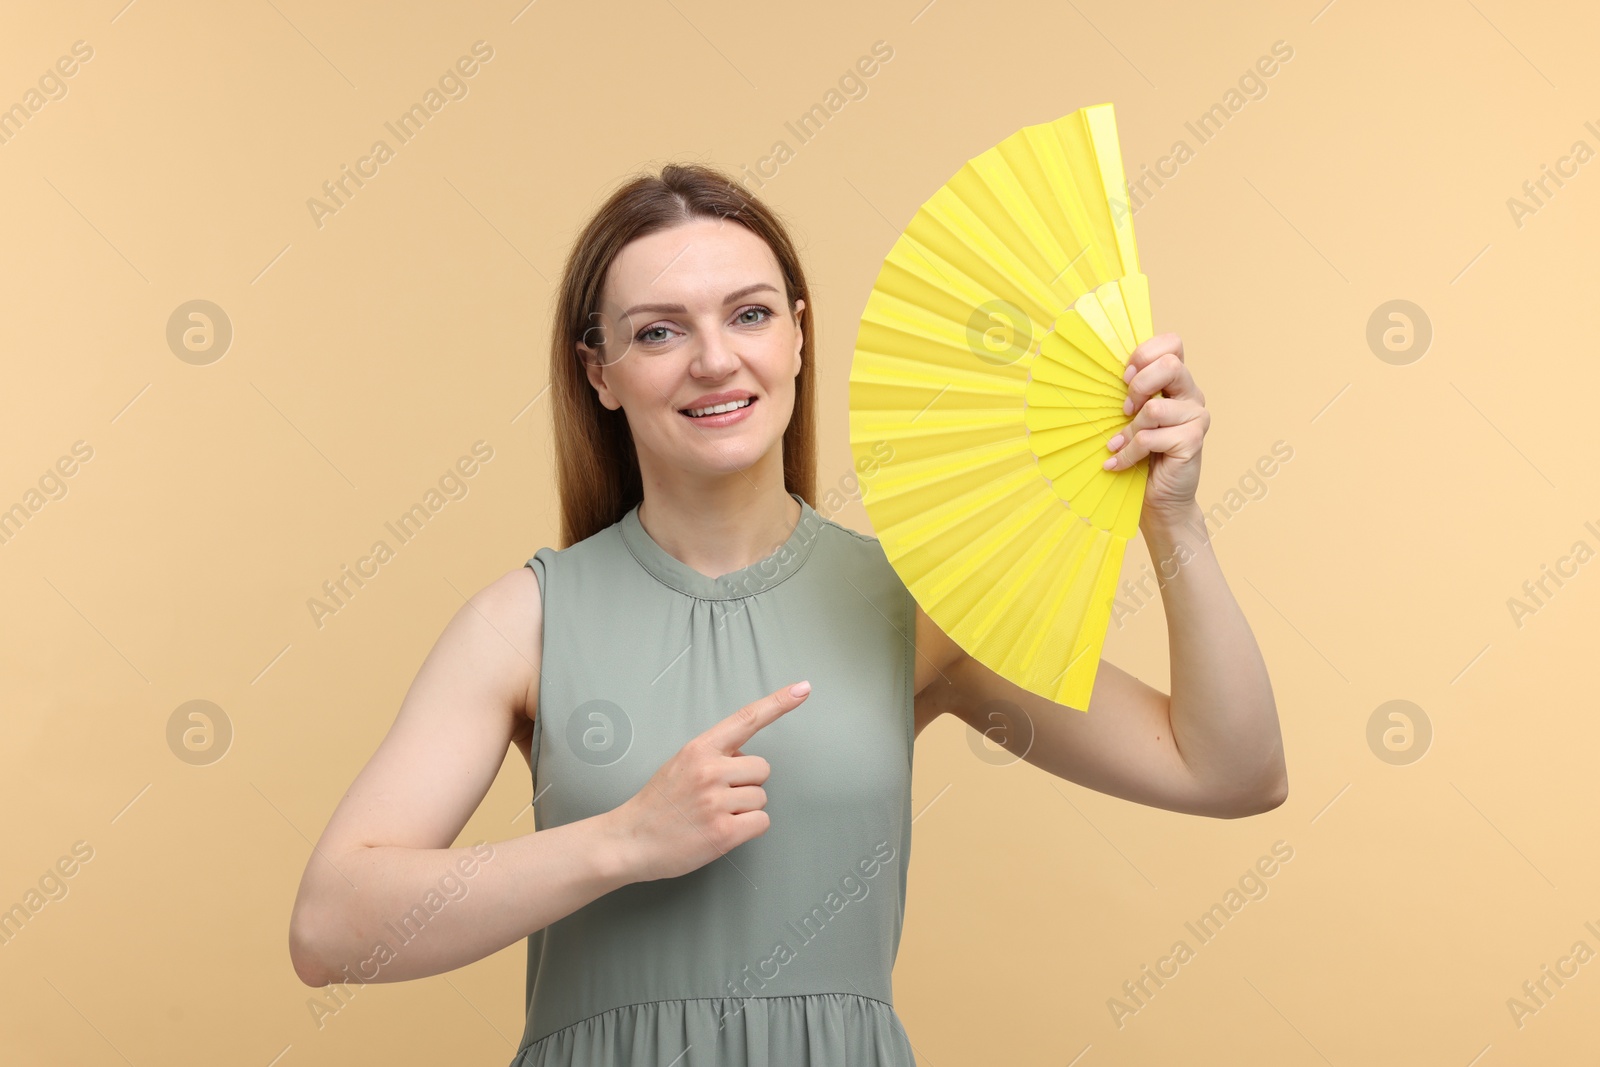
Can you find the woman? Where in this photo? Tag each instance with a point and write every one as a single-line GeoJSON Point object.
{"type": "Point", "coordinates": [717, 689]}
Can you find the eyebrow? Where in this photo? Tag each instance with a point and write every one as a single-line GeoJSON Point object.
{"type": "Point", "coordinates": [680, 309]}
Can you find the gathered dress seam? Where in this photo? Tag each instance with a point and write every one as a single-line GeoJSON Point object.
{"type": "Point", "coordinates": [682, 1000]}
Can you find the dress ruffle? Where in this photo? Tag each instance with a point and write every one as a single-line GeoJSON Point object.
{"type": "Point", "coordinates": [811, 1030]}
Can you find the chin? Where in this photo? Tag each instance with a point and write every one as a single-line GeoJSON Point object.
{"type": "Point", "coordinates": [730, 459]}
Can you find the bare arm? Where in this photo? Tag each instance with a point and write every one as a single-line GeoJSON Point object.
{"type": "Point", "coordinates": [1135, 742]}
{"type": "Point", "coordinates": [384, 897]}
{"type": "Point", "coordinates": [1223, 715]}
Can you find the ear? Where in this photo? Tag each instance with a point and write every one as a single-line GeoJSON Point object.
{"type": "Point", "coordinates": [799, 334]}
{"type": "Point", "coordinates": [596, 373]}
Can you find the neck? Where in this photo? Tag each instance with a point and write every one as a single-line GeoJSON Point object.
{"type": "Point", "coordinates": [721, 525]}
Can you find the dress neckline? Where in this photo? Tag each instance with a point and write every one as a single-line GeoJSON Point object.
{"type": "Point", "coordinates": [758, 577]}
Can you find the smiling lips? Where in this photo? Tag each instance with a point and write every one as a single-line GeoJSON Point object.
{"type": "Point", "coordinates": [727, 405]}
{"type": "Point", "coordinates": [722, 418]}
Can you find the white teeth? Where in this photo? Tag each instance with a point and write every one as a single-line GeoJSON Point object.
{"type": "Point", "coordinates": [718, 409]}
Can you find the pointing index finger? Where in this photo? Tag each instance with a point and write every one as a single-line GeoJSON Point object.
{"type": "Point", "coordinates": [731, 733]}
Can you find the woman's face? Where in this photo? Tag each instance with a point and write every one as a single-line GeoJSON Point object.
{"type": "Point", "coordinates": [692, 312]}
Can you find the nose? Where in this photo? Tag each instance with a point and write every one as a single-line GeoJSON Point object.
{"type": "Point", "coordinates": [714, 356]}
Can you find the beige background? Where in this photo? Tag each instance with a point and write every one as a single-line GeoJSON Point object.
{"type": "Point", "coordinates": [369, 353]}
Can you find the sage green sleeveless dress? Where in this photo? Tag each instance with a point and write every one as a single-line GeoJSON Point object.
{"type": "Point", "coordinates": [779, 953]}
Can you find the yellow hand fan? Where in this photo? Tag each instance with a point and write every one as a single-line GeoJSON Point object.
{"type": "Point", "coordinates": [989, 360]}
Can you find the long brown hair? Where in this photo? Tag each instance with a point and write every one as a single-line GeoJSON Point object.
{"type": "Point", "coordinates": [597, 466]}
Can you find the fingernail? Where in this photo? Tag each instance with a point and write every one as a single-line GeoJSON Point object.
{"type": "Point", "coordinates": [1127, 406]}
{"type": "Point", "coordinates": [1108, 464]}
{"type": "Point", "coordinates": [1130, 371]}
{"type": "Point", "coordinates": [1115, 443]}
{"type": "Point", "coordinates": [800, 689]}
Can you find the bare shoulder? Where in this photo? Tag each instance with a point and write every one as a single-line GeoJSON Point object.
{"type": "Point", "coordinates": [514, 610]}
